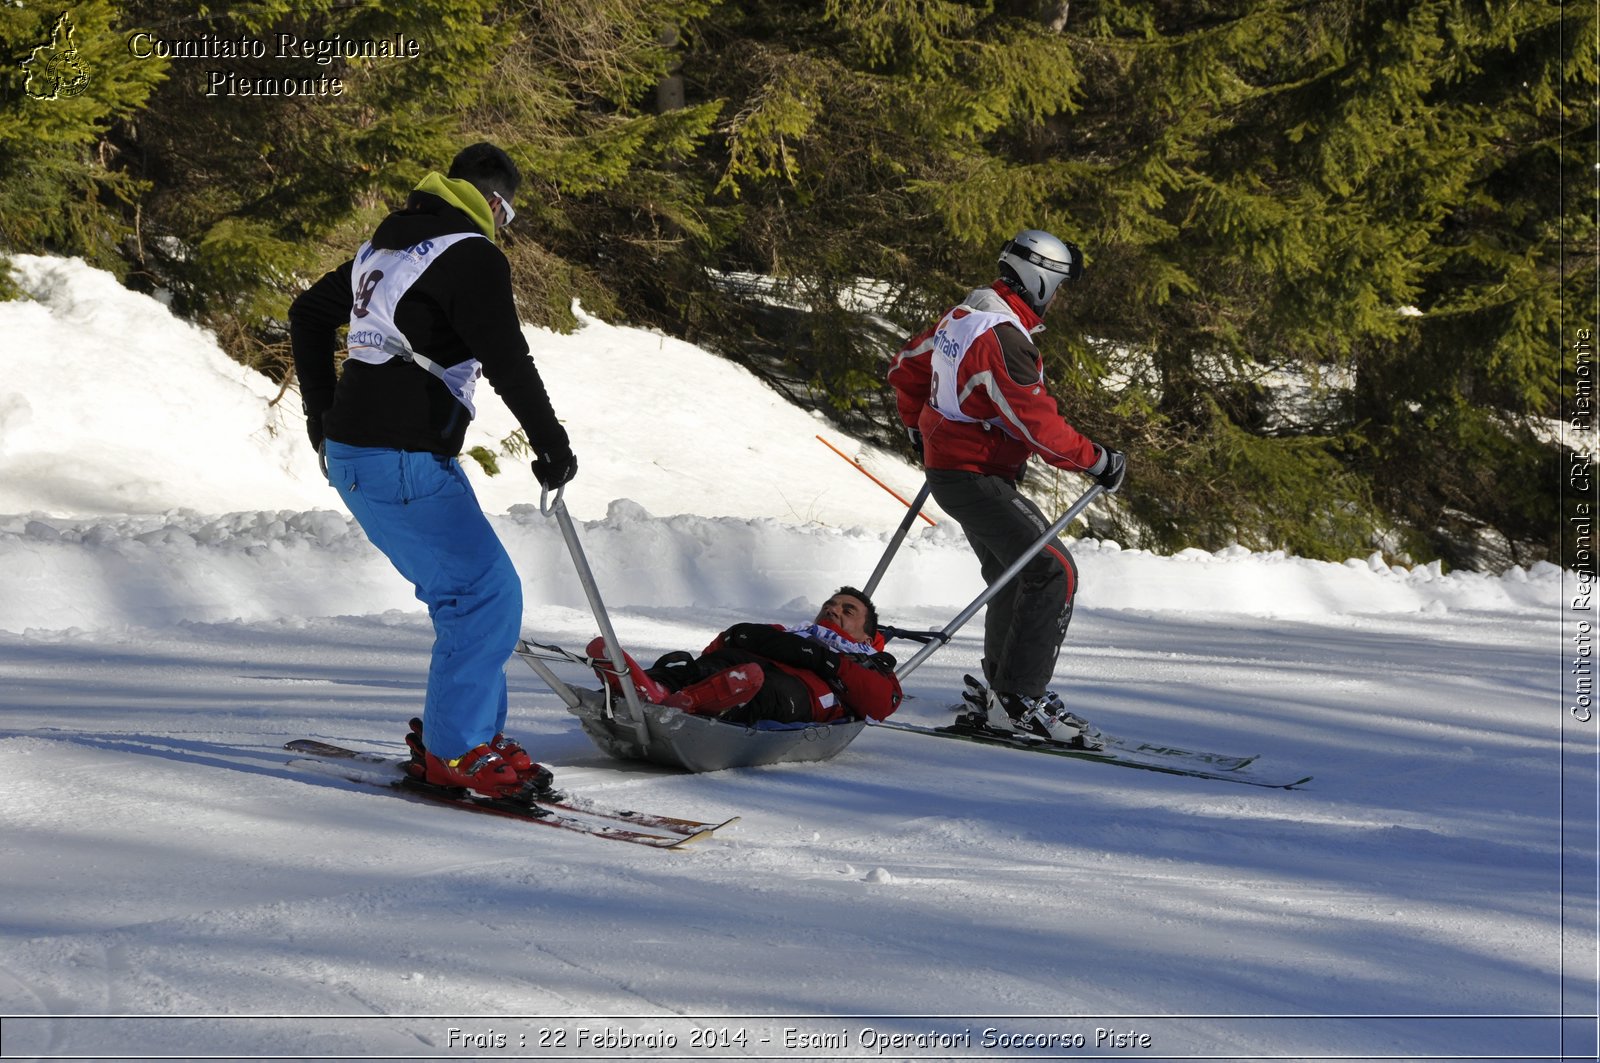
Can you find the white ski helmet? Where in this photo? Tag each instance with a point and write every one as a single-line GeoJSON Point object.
{"type": "Point", "coordinates": [1035, 263]}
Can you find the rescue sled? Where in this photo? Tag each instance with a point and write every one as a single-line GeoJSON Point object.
{"type": "Point", "coordinates": [625, 726]}
{"type": "Point", "coordinates": [664, 735]}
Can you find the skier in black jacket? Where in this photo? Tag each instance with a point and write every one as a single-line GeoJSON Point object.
{"type": "Point", "coordinates": [430, 310]}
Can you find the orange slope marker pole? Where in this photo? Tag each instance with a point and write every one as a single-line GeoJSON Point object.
{"type": "Point", "coordinates": [857, 466]}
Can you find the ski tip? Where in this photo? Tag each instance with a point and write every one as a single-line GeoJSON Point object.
{"type": "Point", "coordinates": [690, 839]}
{"type": "Point", "coordinates": [700, 835]}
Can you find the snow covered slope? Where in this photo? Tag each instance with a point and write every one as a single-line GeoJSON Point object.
{"type": "Point", "coordinates": [179, 595]}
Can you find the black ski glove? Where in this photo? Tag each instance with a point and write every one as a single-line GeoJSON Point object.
{"type": "Point", "coordinates": [1115, 471]}
{"type": "Point", "coordinates": [785, 647]}
{"type": "Point", "coordinates": [553, 470]}
{"type": "Point", "coordinates": [915, 435]}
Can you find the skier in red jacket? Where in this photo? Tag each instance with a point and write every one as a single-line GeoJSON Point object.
{"type": "Point", "coordinates": [829, 670]}
{"type": "Point", "coordinates": [971, 392]}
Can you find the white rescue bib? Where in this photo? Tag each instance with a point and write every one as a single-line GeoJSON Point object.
{"type": "Point", "coordinates": [951, 341]}
{"type": "Point", "coordinates": [378, 280]}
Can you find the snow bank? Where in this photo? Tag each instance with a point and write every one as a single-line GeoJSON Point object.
{"type": "Point", "coordinates": [152, 480]}
{"type": "Point", "coordinates": [254, 566]}
{"type": "Point", "coordinates": [111, 405]}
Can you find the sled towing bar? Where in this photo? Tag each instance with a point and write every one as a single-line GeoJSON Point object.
{"type": "Point", "coordinates": [934, 640]}
{"type": "Point", "coordinates": [591, 591]}
{"type": "Point", "coordinates": [899, 536]}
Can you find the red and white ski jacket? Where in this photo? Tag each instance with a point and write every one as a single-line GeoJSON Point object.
{"type": "Point", "coordinates": [973, 385]}
{"type": "Point", "coordinates": [860, 689]}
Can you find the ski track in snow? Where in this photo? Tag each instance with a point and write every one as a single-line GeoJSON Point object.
{"type": "Point", "coordinates": [905, 874]}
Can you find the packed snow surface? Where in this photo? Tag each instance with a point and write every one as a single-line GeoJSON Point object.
{"type": "Point", "coordinates": [181, 593]}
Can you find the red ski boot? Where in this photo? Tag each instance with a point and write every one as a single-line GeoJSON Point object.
{"type": "Point", "coordinates": [480, 769]}
{"type": "Point", "coordinates": [648, 688]}
{"type": "Point", "coordinates": [513, 753]}
{"type": "Point", "coordinates": [537, 780]}
{"type": "Point", "coordinates": [720, 692]}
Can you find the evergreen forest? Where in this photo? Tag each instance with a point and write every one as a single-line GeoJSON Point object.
{"type": "Point", "coordinates": [1341, 254]}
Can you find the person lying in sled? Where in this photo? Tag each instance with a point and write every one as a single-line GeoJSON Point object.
{"type": "Point", "coordinates": [829, 670]}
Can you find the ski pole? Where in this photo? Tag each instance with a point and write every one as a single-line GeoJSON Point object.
{"type": "Point", "coordinates": [899, 537]}
{"type": "Point", "coordinates": [591, 590]}
{"type": "Point", "coordinates": [943, 636]}
{"type": "Point", "coordinates": [915, 506]}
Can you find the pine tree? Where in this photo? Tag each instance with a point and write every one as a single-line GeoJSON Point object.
{"type": "Point", "coordinates": [247, 187]}
{"type": "Point", "coordinates": [1270, 194]}
{"type": "Point", "coordinates": [67, 79]}
{"type": "Point", "coordinates": [609, 200]}
{"type": "Point", "coordinates": [249, 196]}
{"type": "Point", "coordinates": [1452, 404]}
{"type": "Point", "coordinates": [1329, 242]}
{"type": "Point", "coordinates": [848, 131]}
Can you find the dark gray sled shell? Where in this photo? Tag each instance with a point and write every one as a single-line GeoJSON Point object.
{"type": "Point", "coordinates": [698, 743]}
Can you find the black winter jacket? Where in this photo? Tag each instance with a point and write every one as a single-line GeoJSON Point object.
{"type": "Point", "coordinates": [460, 308]}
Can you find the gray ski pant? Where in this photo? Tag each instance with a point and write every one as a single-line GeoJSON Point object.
{"type": "Point", "coordinates": [1027, 621]}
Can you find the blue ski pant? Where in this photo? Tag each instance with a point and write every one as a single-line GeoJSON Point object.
{"type": "Point", "coordinates": [419, 509]}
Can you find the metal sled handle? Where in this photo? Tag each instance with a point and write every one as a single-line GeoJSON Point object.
{"type": "Point", "coordinates": [545, 509]}
{"type": "Point", "coordinates": [899, 537]}
{"type": "Point", "coordinates": [943, 636]}
{"type": "Point", "coordinates": [591, 591]}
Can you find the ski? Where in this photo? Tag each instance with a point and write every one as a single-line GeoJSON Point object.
{"type": "Point", "coordinates": [1212, 761]}
{"type": "Point", "coordinates": [1142, 755]}
{"type": "Point", "coordinates": [673, 824]}
{"type": "Point", "coordinates": [529, 813]}
{"type": "Point", "coordinates": [569, 802]}
{"type": "Point", "coordinates": [576, 815]}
